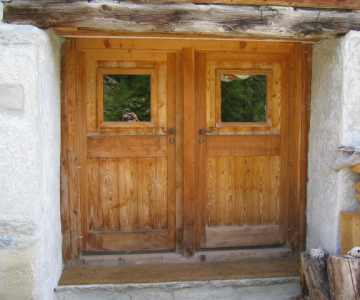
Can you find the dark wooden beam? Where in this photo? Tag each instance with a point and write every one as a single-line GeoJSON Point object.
{"type": "Point", "coordinates": [186, 18]}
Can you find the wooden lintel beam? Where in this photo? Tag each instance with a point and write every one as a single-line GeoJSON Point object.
{"type": "Point", "coordinates": [186, 18]}
{"type": "Point", "coordinates": [337, 4]}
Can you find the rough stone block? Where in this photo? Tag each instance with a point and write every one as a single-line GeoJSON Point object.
{"type": "Point", "coordinates": [11, 97]}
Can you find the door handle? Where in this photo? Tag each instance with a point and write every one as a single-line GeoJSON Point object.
{"type": "Point", "coordinates": [203, 130]}
{"type": "Point", "coordinates": [170, 131]}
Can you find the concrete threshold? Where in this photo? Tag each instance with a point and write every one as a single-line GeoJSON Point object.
{"type": "Point", "coordinates": [277, 288]}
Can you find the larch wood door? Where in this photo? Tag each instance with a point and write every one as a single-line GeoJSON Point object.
{"type": "Point", "coordinates": [242, 162]}
{"type": "Point", "coordinates": [127, 167]}
{"type": "Point", "coordinates": [226, 176]}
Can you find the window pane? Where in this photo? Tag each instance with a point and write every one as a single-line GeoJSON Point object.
{"type": "Point", "coordinates": [243, 98]}
{"type": "Point", "coordinates": [127, 98]}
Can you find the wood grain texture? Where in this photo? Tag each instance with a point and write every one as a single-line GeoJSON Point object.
{"type": "Point", "coordinates": [237, 179]}
{"type": "Point", "coordinates": [242, 191]}
{"type": "Point", "coordinates": [128, 194]}
{"type": "Point", "coordinates": [213, 47]}
{"type": "Point", "coordinates": [243, 236]}
{"type": "Point", "coordinates": [298, 124]}
{"type": "Point", "coordinates": [70, 155]}
{"type": "Point", "coordinates": [315, 271]}
{"type": "Point", "coordinates": [126, 187]}
{"type": "Point", "coordinates": [246, 145]}
{"type": "Point", "coordinates": [342, 4]}
{"type": "Point", "coordinates": [67, 75]}
{"type": "Point", "coordinates": [125, 146]}
{"type": "Point", "coordinates": [169, 206]}
{"type": "Point", "coordinates": [344, 277]}
{"type": "Point", "coordinates": [190, 179]}
{"type": "Point", "coordinates": [129, 241]}
{"type": "Point", "coordinates": [236, 20]}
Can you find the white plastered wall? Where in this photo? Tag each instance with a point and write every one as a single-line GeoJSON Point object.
{"type": "Point", "coordinates": [30, 227]}
{"type": "Point", "coordinates": [334, 122]}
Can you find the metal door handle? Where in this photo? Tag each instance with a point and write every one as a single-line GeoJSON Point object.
{"type": "Point", "coordinates": [170, 131]}
{"type": "Point", "coordinates": [203, 130]}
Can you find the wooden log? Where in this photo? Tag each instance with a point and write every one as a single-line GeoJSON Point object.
{"type": "Point", "coordinates": [302, 280]}
{"type": "Point", "coordinates": [342, 4]}
{"type": "Point", "coordinates": [344, 276]}
{"type": "Point", "coordinates": [316, 275]}
{"type": "Point", "coordinates": [185, 18]}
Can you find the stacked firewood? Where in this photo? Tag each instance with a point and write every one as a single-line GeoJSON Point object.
{"type": "Point", "coordinates": [330, 277]}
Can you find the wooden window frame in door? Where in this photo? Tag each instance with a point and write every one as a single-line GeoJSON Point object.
{"type": "Point", "coordinates": [218, 123]}
{"type": "Point", "coordinates": [100, 96]}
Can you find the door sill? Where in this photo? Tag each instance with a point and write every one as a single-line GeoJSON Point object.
{"type": "Point", "coordinates": [208, 255]}
{"type": "Point", "coordinates": [205, 271]}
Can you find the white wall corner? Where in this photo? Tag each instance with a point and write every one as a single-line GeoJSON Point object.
{"type": "Point", "coordinates": [334, 122]}
{"type": "Point", "coordinates": [30, 227]}
{"type": "Point", "coordinates": [324, 137]}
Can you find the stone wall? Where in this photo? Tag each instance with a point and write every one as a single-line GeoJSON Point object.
{"type": "Point", "coordinates": [30, 229]}
{"type": "Point", "coordinates": [334, 122]}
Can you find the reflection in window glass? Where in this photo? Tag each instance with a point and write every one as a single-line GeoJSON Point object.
{"type": "Point", "coordinates": [243, 98]}
{"type": "Point", "coordinates": [127, 98]}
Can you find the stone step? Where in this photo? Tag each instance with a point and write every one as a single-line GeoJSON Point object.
{"type": "Point", "coordinates": [275, 288]}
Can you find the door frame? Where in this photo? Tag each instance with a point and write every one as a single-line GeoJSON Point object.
{"type": "Point", "coordinates": [297, 63]}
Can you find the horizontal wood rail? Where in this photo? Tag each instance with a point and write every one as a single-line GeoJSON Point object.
{"type": "Point", "coordinates": [243, 145]}
{"type": "Point", "coordinates": [122, 146]}
{"type": "Point", "coordinates": [129, 240]}
{"type": "Point", "coordinates": [243, 236]}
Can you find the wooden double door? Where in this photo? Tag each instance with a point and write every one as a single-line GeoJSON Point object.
{"type": "Point", "coordinates": [186, 177]}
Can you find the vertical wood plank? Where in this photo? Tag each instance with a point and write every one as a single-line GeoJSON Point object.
{"type": "Point", "coordinates": [161, 195]}
{"type": "Point", "coordinates": [74, 152]}
{"type": "Point", "coordinates": [190, 150]}
{"type": "Point", "coordinates": [179, 145]}
{"type": "Point", "coordinates": [239, 201]}
{"type": "Point", "coordinates": [145, 185]}
{"type": "Point", "coordinates": [296, 118]}
{"type": "Point", "coordinates": [82, 107]}
{"type": "Point", "coordinates": [305, 102]}
{"type": "Point", "coordinates": [168, 220]}
{"type": "Point", "coordinates": [109, 170]}
{"type": "Point", "coordinates": [161, 103]}
{"type": "Point", "coordinates": [95, 209]}
{"type": "Point", "coordinates": [225, 191]}
{"type": "Point", "coordinates": [255, 190]}
{"type": "Point", "coordinates": [264, 189]}
{"type": "Point", "coordinates": [67, 91]}
{"type": "Point", "coordinates": [200, 91]}
{"type": "Point", "coordinates": [274, 198]}
{"type": "Point", "coordinates": [247, 186]}
{"type": "Point", "coordinates": [211, 171]}
{"type": "Point", "coordinates": [286, 102]}
{"type": "Point", "coordinates": [91, 98]}
{"type": "Point", "coordinates": [128, 194]}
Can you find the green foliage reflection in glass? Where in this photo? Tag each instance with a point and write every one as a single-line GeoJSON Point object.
{"type": "Point", "coordinates": [127, 98]}
{"type": "Point", "coordinates": [243, 98]}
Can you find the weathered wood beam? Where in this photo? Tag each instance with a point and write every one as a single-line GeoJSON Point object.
{"type": "Point", "coordinates": [187, 18]}
{"type": "Point", "coordinates": [338, 4]}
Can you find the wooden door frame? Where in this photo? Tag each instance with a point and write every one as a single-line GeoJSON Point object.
{"type": "Point", "coordinates": [298, 57]}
